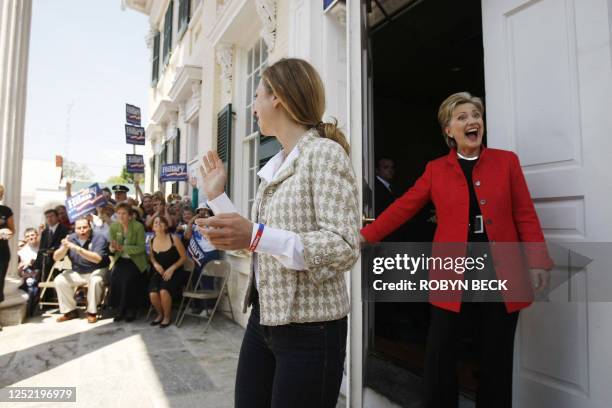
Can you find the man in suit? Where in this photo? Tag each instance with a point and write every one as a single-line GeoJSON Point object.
{"type": "Point", "coordinates": [50, 239]}
{"type": "Point", "coordinates": [385, 170]}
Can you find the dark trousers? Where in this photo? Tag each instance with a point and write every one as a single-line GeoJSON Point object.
{"type": "Point", "coordinates": [125, 286]}
{"type": "Point", "coordinates": [495, 335]}
{"type": "Point", "coordinates": [294, 365]}
{"type": "Point", "coordinates": [4, 262]}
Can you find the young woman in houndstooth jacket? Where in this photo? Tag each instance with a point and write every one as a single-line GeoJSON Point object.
{"type": "Point", "coordinates": [304, 235]}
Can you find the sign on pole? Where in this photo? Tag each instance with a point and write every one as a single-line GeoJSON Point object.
{"type": "Point", "coordinates": [174, 172]}
{"type": "Point", "coordinates": [134, 163]}
{"type": "Point", "coordinates": [134, 135]}
{"type": "Point", "coordinates": [132, 114]}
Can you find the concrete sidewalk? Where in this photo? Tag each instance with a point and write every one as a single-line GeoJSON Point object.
{"type": "Point", "coordinates": [124, 364]}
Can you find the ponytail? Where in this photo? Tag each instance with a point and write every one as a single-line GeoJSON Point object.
{"type": "Point", "coordinates": [331, 131]}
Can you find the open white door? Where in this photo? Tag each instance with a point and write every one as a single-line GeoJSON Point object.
{"type": "Point", "coordinates": [548, 97]}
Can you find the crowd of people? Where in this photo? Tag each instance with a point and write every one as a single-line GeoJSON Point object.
{"type": "Point", "coordinates": [130, 251]}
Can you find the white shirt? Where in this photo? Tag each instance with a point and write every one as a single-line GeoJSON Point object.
{"type": "Point", "coordinates": [53, 228]}
{"type": "Point", "coordinates": [27, 254]}
{"type": "Point", "coordinates": [385, 182]}
{"type": "Point", "coordinates": [285, 246]}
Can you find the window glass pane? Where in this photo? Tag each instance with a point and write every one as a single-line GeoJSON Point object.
{"type": "Point", "coordinates": [268, 147]}
{"type": "Point", "coordinates": [252, 153]}
{"type": "Point", "coordinates": [250, 62]}
{"type": "Point", "coordinates": [249, 90]}
{"type": "Point", "coordinates": [251, 184]}
{"type": "Point", "coordinates": [247, 115]}
{"type": "Point", "coordinates": [264, 51]}
{"type": "Point", "coordinates": [255, 124]}
{"type": "Point", "coordinates": [257, 55]}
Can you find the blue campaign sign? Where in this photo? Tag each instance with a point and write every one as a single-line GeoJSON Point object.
{"type": "Point", "coordinates": [85, 202]}
{"type": "Point", "coordinates": [134, 135]}
{"type": "Point", "coordinates": [148, 237]}
{"type": "Point", "coordinates": [174, 172]}
{"type": "Point", "coordinates": [134, 163]}
{"type": "Point", "coordinates": [132, 114]}
{"type": "Point", "coordinates": [328, 3]}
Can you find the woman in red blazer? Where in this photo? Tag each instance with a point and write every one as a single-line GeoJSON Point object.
{"type": "Point", "coordinates": [480, 195]}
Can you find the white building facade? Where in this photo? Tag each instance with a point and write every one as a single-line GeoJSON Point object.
{"type": "Point", "coordinates": [544, 68]}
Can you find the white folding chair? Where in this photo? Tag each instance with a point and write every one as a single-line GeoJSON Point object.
{"type": "Point", "coordinates": [58, 267]}
{"type": "Point", "coordinates": [218, 269]}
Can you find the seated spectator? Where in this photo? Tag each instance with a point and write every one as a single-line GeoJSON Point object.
{"type": "Point", "coordinates": [138, 214]}
{"type": "Point", "coordinates": [109, 197]}
{"type": "Point", "coordinates": [62, 216]}
{"type": "Point", "coordinates": [27, 256]}
{"type": "Point", "coordinates": [129, 261]}
{"type": "Point", "coordinates": [28, 253]}
{"type": "Point", "coordinates": [186, 221]}
{"type": "Point", "coordinates": [88, 253]}
{"type": "Point", "coordinates": [50, 239]}
{"type": "Point", "coordinates": [103, 220]}
{"type": "Point", "coordinates": [167, 257]}
{"type": "Point", "coordinates": [147, 204]}
{"type": "Point", "coordinates": [159, 206]}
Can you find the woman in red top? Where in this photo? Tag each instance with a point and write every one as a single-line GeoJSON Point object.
{"type": "Point", "coordinates": [480, 195]}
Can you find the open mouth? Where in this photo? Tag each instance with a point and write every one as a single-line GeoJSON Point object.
{"type": "Point", "coordinates": [472, 135]}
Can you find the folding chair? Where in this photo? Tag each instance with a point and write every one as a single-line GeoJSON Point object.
{"type": "Point", "coordinates": [57, 267]}
{"type": "Point", "coordinates": [188, 266]}
{"type": "Point", "coordinates": [217, 269]}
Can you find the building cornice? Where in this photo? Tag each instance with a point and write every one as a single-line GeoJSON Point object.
{"type": "Point", "coordinates": [185, 77]}
{"type": "Point", "coordinates": [164, 111]}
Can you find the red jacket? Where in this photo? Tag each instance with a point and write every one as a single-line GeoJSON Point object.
{"type": "Point", "coordinates": [506, 207]}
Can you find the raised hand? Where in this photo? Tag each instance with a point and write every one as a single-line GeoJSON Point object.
{"type": "Point", "coordinates": [213, 175]}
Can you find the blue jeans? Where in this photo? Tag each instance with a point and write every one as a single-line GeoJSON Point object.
{"type": "Point", "coordinates": [293, 365]}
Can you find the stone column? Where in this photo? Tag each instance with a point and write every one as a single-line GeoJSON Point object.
{"type": "Point", "coordinates": [15, 19]}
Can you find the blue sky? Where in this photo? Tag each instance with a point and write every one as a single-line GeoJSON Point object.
{"type": "Point", "coordinates": [87, 59]}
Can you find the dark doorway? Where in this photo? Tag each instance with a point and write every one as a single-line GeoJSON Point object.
{"type": "Point", "coordinates": [421, 51]}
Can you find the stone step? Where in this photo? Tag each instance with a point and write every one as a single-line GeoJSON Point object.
{"type": "Point", "coordinates": [13, 308]}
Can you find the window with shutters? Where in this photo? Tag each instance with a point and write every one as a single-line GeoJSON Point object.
{"type": "Point", "coordinates": [168, 32]}
{"type": "Point", "coordinates": [184, 16]}
{"type": "Point", "coordinates": [155, 63]}
{"type": "Point", "coordinates": [260, 148]}
{"type": "Point", "coordinates": [224, 142]}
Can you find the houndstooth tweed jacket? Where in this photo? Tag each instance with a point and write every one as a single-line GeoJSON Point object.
{"type": "Point", "coordinates": [317, 198]}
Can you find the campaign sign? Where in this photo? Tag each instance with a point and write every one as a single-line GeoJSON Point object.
{"type": "Point", "coordinates": [85, 202]}
{"type": "Point", "coordinates": [174, 172]}
{"type": "Point", "coordinates": [134, 163]}
{"type": "Point", "coordinates": [148, 237]}
{"type": "Point", "coordinates": [134, 135]}
{"type": "Point", "coordinates": [132, 114]}
{"type": "Point", "coordinates": [328, 3]}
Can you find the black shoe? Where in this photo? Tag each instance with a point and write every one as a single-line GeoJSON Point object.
{"type": "Point", "coordinates": [164, 325]}
{"type": "Point", "coordinates": [130, 317]}
{"type": "Point", "coordinates": [155, 322]}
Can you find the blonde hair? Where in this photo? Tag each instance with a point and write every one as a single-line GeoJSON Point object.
{"type": "Point", "coordinates": [1, 191]}
{"type": "Point", "coordinates": [301, 93]}
{"type": "Point", "coordinates": [445, 112]}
